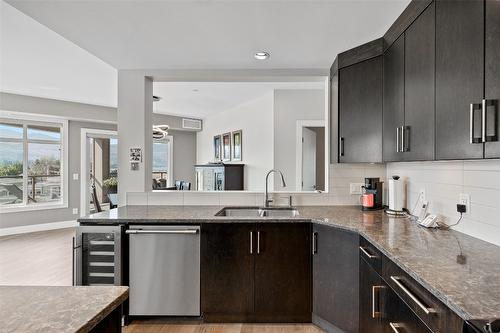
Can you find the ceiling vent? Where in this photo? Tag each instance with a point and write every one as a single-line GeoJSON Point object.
{"type": "Point", "coordinates": [191, 124]}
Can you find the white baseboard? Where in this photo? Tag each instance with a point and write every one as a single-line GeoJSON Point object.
{"type": "Point", "coordinates": [37, 227]}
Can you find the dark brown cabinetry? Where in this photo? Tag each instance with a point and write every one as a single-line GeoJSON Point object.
{"type": "Point", "coordinates": [419, 55]}
{"type": "Point", "coordinates": [360, 112]}
{"type": "Point", "coordinates": [335, 278]}
{"type": "Point", "coordinates": [459, 78]}
{"type": "Point", "coordinates": [371, 295]}
{"type": "Point", "coordinates": [256, 272]}
{"type": "Point", "coordinates": [492, 79]}
{"type": "Point", "coordinates": [227, 272]}
{"type": "Point", "coordinates": [394, 112]}
{"type": "Point", "coordinates": [408, 132]}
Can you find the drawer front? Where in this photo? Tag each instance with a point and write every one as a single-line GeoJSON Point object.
{"type": "Point", "coordinates": [370, 254]}
{"type": "Point", "coordinates": [425, 305]}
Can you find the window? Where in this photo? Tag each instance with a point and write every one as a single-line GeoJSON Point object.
{"type": "Point", "coordinates": [162, 162]}
{"type": "Point", "coordinates": [31, 163]}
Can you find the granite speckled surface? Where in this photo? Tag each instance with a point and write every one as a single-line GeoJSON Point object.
{"type": "Point", "coordinates": [57, 309]}
{"type": "Point", "coordinates": [470, 288]}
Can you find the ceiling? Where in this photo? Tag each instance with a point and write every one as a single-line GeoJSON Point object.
{"type": "Point", "coordinates": [215, 34]}
{"type": "Point", "coordinates": [36, 61]}
{"type": "Point", "coordinates": [201, 99]}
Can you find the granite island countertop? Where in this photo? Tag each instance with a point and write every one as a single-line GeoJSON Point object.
{"type": "Point", "coordinates": [31, 309]}
{"type": "Point", "coordinates": [471, 288]}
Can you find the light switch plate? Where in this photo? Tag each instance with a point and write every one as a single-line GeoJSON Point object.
{"type": "Point", "coordinates": [356, 188]}
{"type": "Point", "coordinates": [75, 211]}
{"type": "Point", "coordinates": [75, 176]}
{"type": "Point", "coordinates": [464, 199]}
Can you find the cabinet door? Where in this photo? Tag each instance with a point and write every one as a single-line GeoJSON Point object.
{"type": "Point", "coordinates": [419, 87]}
{"type": "Point", "coordinates": [227, 272]}
{"type": "Point", "coordinates": [459, 77]}
{"type": "Point", "coordinates": [283, 272]}
{"type": "Point", "coordinates": [335, 277]}
{"type": "Point", "coordinates": [492, 78]}
{"type": "Point", "coordinates": [399, 317]}
{"type": "Point", "coordinates": [360, 112]}
{"type": "Point", "coordinates": [393, 113]}
{"type": "Point", "coordinates": [371, 299]}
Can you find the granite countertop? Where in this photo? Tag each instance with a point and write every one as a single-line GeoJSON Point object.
{"type": "Point", "coordinates": [470, 287]}
{"type": "Point", "coordinates": [57, 309]}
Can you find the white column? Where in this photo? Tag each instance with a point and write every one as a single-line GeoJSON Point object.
{"type": "Point", "coordinates": [135, 108]}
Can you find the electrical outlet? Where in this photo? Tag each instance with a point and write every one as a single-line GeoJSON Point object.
{"type": "Point", "coordinates": [422, 195]}
{"type": "Point", "coordinates": [356, 188]}
{"type": "Point", "coordinates": [464, 199]}
{"type": "Point", "coordinates": [75, 176]}
{"type": "Point", "coordinates": [75, 211]}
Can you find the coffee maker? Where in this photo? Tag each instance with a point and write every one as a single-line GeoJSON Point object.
{"type": "Point", "coordinates": [371, 199]}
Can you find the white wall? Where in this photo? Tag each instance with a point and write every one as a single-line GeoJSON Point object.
{"type": "Point", "coordinates": [444, 181]}
{"type": "Point", "coordinates": [255, 119]}
{"type": "Point", "coordinates": [290, 106]}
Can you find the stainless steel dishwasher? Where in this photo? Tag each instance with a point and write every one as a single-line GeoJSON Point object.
{"type": "Point", "coordinates": [164, 270]}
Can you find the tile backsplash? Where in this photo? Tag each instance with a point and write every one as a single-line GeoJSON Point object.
{"type": "Point", "coordinates": [444, 181]}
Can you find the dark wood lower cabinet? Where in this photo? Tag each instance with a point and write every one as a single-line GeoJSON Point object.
{"type": "Point", "coordinates": [256, 272]}
{"type": "Point", "coordinates": [335, 278]}
{"type": "Point", "coordinates": [227, 272]}
{"type": "Point", "coordinates": [398, 318]}
{"type": "Point", "coordinates": [283, 272]}
{"type": "Point", "coordinates": [371, 294]}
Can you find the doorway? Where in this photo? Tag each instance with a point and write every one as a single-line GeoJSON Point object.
{"type": "Point", "coordinates": [98, 171]}
{"type": "Point", "coordinates": [310, 151]}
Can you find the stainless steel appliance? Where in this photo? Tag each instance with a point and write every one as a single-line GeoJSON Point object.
{"type": "Point", "coordinates": [164, 270]}
{"type": "Point", "coordinates": [97, 255]}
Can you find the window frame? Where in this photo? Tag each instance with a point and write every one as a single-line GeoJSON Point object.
{"type": "Point", "coordinates": [26, 119]}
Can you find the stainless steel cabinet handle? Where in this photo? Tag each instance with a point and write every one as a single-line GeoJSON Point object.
{"type": "Point", "coordinates": [258, 242]}
{"type": "Point", "coordinates": [402, 139]}
{"type": "Point", "coordinates": [483, 121]}
{"type": "Point", "coordinates": [424, 308]}
{"type": "Point", "coordinates": [375, 309]}
{"type": "Point", "coordinates": [405, 146]}
{"type": "Point", "coordinates": [394, 327]}
{"type": "Point", "coordinates": [341, 146]}
{"type": "Point", "coordinates": [251, 242]}
{"type": "Point", "coordinates": [397, 139]}
{"type": "Point", "coordinates": [471, 124]}
{"type": "Point", "coordinates": [179, 231]}
{"type": "Point", "coordinates": [371, 256]}
{"type": "Point", "coordinates": [315, 243]}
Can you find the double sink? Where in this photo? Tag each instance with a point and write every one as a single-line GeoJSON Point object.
{"type": "Point", "coordinates": [258, 212]}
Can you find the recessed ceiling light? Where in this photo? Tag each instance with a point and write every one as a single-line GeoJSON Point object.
{"type": "Point", "coordinates": [261, 55]}
{"type": "Point", "coordinates": [195, 90]}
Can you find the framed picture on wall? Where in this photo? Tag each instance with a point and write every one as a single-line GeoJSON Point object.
{"type": "Point", "coordinates": [226, 147]}
{"type": "Point", "coordinates": [217, 148]}
{"type": "Point", "coordinates": [236, 148]}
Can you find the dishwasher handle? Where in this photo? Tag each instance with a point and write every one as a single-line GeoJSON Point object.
{"type": "Point", "coordinates": [172, 231]}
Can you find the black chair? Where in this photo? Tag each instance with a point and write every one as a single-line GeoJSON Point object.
{"type": "Point", "coordinates": [186, 186]}
{"type": "Point", "coordinates": [178, 184]}
{"type": "Point", "coordinates": [171, 188]}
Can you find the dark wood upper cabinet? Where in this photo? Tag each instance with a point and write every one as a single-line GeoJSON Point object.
{"type": "Point", "coordinates": [360, 112]}
{"type": "Point", "coordinates": [283, 272]}
{"type": "Point", "coordinates": [393, 111]}
{"type": "Point", "coordinates": [419, 87]}
{"type": "Point", "coordinates": [227, 270]}
{"type": "Point", "coordinates": [492, 78]}
{"type": "Point", "coordinates": [335, 278]}
{"type": "Point", "coordinates": [459, 77]}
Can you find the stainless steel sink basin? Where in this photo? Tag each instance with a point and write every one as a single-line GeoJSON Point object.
{"type": "Point", "coordinates": [258, 212]}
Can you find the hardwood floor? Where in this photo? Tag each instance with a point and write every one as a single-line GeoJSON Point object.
{"type": "Point", "coordinates": [39, 258]}
{"type": "Point", "coordinates": [44, 258]}
{"type": "Point", "coordinates": [163, 326]}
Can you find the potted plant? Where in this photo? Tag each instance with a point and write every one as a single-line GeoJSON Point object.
{"type": "Point", "coordinates": [111, 184]}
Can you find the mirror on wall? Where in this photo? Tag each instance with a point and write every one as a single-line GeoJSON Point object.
{"type": "Point", "coordinates": [226, 136]}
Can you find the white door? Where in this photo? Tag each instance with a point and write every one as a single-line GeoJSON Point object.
{"type": "Point", "coordinates": [308, 159]}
